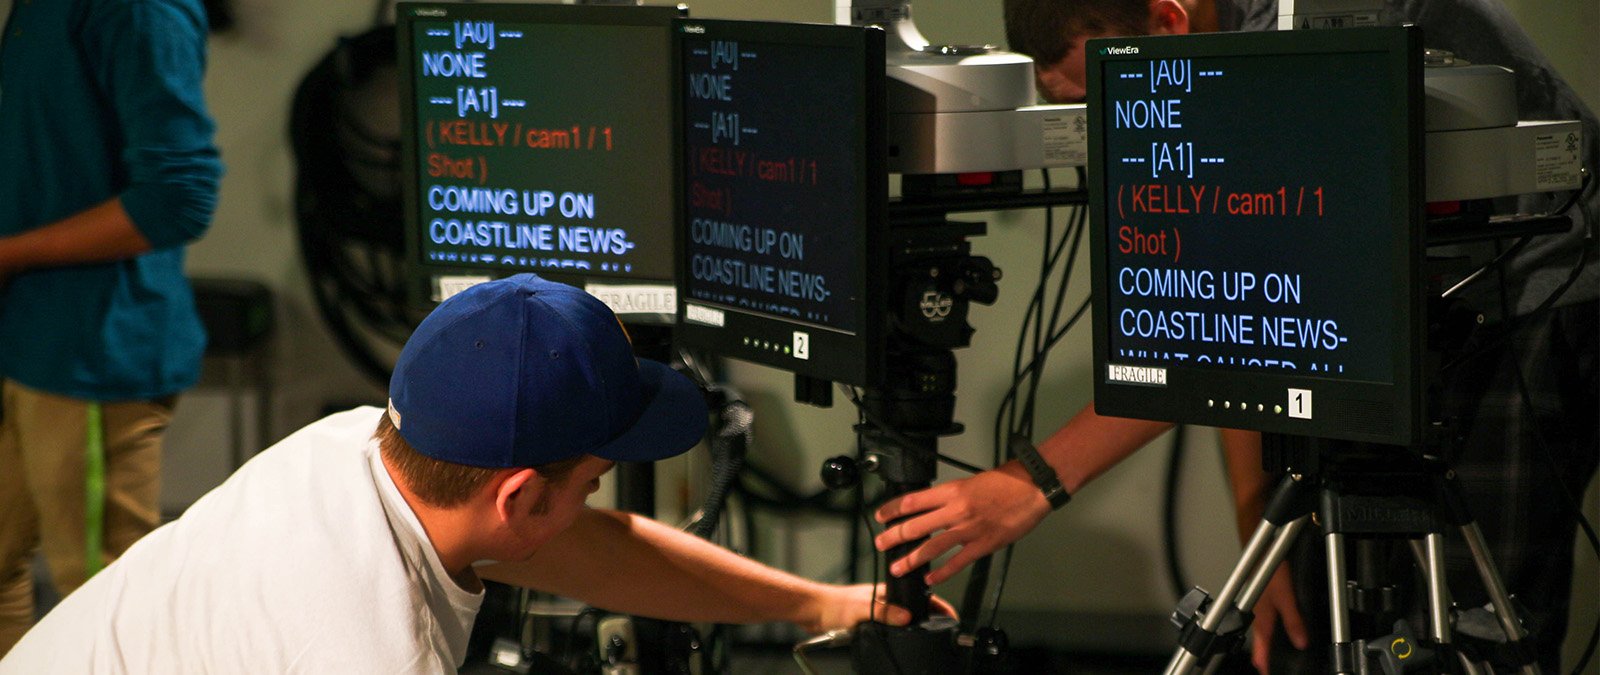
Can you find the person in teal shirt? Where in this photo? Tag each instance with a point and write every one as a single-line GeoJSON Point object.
{"type": "Point", "coordinates": [107, 170]}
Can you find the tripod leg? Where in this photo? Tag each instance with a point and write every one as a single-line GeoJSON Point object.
{"type": "Point", "coordinates": [1266, 549]}
{"type": "Point", "coordinates": [1438, 593]}
{"type": "Point", "coordinates": [1419, 553]}
{"type": "Point", "coordinates": [1290, 502]}
{"type": "Point", "coordinates": [1344, 653]}
{"type": "Point", "coordinates": [1468, 667]}
{"type": "Point", "coordinates": [1516, 634]}
{"type": "Point", "coordinates": [1509, 621]}
{"type": "Point", "coordinates": [1434, 568]}
{"type": "Point", "coordinates": [1263, 574]}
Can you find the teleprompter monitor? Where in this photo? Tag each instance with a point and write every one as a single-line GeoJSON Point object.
{"type": "Point", "coordinates": [784, 195]}
{"type": "Point", "coordinates": [1256, 231]}
{"type": "Point", "coordinates": [539, 138]}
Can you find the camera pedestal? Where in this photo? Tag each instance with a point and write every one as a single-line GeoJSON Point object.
{"type": "Point", "coordinates": [907, 417]}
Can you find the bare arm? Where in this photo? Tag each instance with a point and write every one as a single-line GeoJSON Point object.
{"type": "Point", "coordinates": [633, 565]}
{"type": "Point", "coordinates": [989, 511]}
{"type": "Point", "coordinates": [1090, 444]}
{"type": "Point", "coordinates": [1246, 478]}
{"type": "Point", "coordinates": [97, 234]}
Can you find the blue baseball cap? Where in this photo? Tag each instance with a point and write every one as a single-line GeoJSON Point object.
{"type": "Point", "coordinates": [522, 371]}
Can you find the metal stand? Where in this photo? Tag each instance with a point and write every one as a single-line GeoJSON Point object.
{"type": "Point", "coordinates": [936, 280]}
{"type": "Point", "coordinates": [914, 409]}
{"type": "Point", "coordinates": [1396, 497]}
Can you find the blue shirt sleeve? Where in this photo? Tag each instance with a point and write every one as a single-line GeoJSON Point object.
{"type": "Point", "coordinates": [148, 57]}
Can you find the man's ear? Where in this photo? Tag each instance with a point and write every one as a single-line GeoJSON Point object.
{"type": "Point", "coordinates": [1168, 17]}
{"type": "Point", "coordinates": [516, 491]}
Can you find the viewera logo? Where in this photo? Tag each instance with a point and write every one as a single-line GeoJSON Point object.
{"type": "Point", "coordinates": [696, 30]}
{"type": "Point", "coordinates": [1119, 51]}
{"type": "Point", "coordinates": [423, 11]}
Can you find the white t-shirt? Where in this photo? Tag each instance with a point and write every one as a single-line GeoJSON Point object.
{"type": "Point", "coordinates": [307, 560]}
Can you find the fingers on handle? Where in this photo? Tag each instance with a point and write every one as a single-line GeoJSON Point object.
{"type": "Point", "coordinates": [926, 553]}
{"type": "Point", "coordinates": [916, 502]}
{"type": "Point", "coordinates": [911, 529]}
{"type": "Point", "coordinates": [970, 552]}
{"type": "Point", "coordinates": [890, 510]}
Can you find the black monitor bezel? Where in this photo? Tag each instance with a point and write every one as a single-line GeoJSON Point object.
{"type": "Point", "coordinates": [1386, 413]}
{"type": "Point", "coordinates": [422, 276]}
{"type": "Point", "coordinates": [857, 358]}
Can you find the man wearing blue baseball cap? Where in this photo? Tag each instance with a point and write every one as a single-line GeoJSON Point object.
{"type": "Point", "coordinates": [358, 543]}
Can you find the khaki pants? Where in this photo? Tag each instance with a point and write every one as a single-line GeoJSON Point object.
{"type": "Point", "coordinates": [43, 493]}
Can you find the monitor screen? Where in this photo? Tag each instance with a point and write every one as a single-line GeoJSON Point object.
{"type": "Point", "coordinates": [1256, 224]}
{"type": "Point", "coordinates": [539, 138]}
{"type": "Point", "coordinates": [783, 195]}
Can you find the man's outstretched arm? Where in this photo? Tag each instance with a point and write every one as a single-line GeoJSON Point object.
{"type": "Point", "coordinates": [633, 565]}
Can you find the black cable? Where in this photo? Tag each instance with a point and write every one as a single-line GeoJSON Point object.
{"type": "Point", "coordinates": [1079, 226]}
{"type": "Point", "coordinates": [1046, 266]}
{"type": "Point", "coordinates": [972, 605]}
{"type": "Point", "coordinates": [1019, 373]}
{"type": "Point", "coordinates": [728, 447]}
{"type": "Point", "coordinates": [1033, 373]}
{"type": "Point", "coordinates": [1036, 366]}
{"type": "Point", "coordinates": [1498, 262]}
{"type": "Point", "coordinates": [1054, 338]}
{"type": "Point", "coordinates": [1036, 303]}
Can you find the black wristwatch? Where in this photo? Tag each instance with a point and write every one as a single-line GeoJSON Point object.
{"type": "Point", "coordinates": [1043, 476]}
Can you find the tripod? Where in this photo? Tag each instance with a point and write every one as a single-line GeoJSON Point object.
{"type": "Point", "coordinates": [1358, 499]}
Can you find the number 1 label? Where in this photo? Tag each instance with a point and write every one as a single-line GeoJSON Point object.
{"type": "Point", "coordinates": [1300, 403]}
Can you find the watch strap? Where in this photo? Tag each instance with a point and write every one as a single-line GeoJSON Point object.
{"type": "Point", "coordinates": [1043, 476]}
